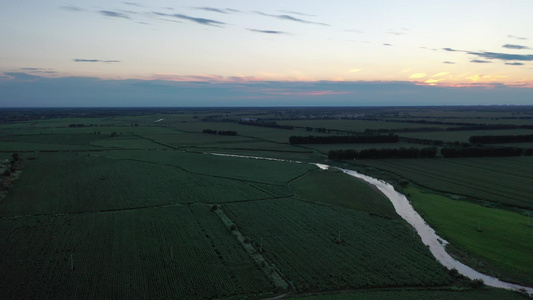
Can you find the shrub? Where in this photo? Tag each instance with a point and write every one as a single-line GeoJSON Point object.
{"type": "Point", "coordinates": [476, 283]}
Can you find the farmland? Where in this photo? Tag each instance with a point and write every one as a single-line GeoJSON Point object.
{"type": "Point", "coordinates": [303, 242]}
{"type": "Point", "coordinates": [126, 254]}
{"type": "Point", "coordinates": [339, 189]}
{"type": "Point", "coordinates": [118, 206]}
{"type": "Point", "coordinates": [499, 180]}
{"type": "Point", "coordinates": [501, 240]}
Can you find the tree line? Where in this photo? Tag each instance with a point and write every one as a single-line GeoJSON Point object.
{"type": "Point", "coordinates": [266, 124]}
{"type": "Point", "coordinates": [500, 139]}
{"type": "Point", "coordinates": [384, 153]}
{"type": "Point", "coordinates": [453, 152]}
{"type": "Point", "coordinates": [459, 127]}
{"type": "Point", "coordinates": [429, 152]}
{"type": "Point", "coordinates": [343, 139]}
{"type": "Point", "coordinates": [219, 132]}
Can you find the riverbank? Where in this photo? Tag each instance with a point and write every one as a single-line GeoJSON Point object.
{"type": "Point", "coordinates": [435, 243]}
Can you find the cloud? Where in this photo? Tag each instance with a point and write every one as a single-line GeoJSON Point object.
{"type": "Point", "coordinates": [448, 62]}
{"type": "Point", "coordinates": [217, 10]}
{"type": "Point", "coordinates": [201, 21]}
{"type": "Point", "coordinates": [514, 64]}
{"type": "Point", "coordinates": [518, 47]}
{"type": "Point", "coordinates": [503, 56]}
{"type": "Point", "coordinates": [516, 37]}
{"type": "Point", "coordinates": [297, 13]}
{"type": "Point", "coordinates": [25, 90]}
{"type": "Point", "coordinates": [22, 76]}
{"type": "Point", "coordinates": [386, 44]}
{"type": "Point", "coordinates": [304, 93]}
{"type": "Point", "coordinates": [132, 4]}
{"type": "Point", "coordinates": [39, 70]}
{"type": "Point", "coordinates": [94, 60]}
{"type": "Point", "coordinates": [71, 8]}
{"type": "Point", "coordinates": [485, 78]}
{"type": "Point", "coordinates": [354, 70]}
{"type": "Point", "coordinates": [113, 14]}
{"type": "Point", "coordinates": [417, 75]}
{"type": "Point", "coordinates": [267, 31]}
{"type": "Point", "coordinates": [402, 31]}
{"type": "Point", "coordinates": [440, 74]}
{"type": "Point", "coordinates": [290, 18]}
{"type": "Point", "coordinates": [479, 61]}
{"type": "Point", "coordinates": [484, 55]}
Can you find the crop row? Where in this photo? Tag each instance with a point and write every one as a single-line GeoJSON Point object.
{"type": "Point", "coordinates": [272, 172]}
{"type": "Point", "coordinates": [159, 253]}
{"type": "Point", "coordinates": [65, 182]}
{"type": "Point", "coordinates": [322, 248]}
{"type": "Point", "coordinates": [502, 180]}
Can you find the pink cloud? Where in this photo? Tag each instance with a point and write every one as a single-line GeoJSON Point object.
{"type": "Point", "coordinates": [203, 78]}
{"type": "Point", "coordinates": [306, 93]}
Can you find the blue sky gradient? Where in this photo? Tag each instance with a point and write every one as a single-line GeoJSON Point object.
{"type": "Point", "coordinates": [274, 53]}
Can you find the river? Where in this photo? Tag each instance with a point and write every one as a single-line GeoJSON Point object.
{"type": "Point", "coordinates": [435, 243]}
{"type": "Point", "coordinates": [403, 208]}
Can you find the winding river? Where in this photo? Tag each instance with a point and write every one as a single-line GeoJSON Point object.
{"type": "Point", "coordinates": [435, 243]}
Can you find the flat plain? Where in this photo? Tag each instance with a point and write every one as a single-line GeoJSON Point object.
{"type": "Point", "coordinates": [120, 206]}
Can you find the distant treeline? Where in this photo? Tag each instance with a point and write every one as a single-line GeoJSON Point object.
{"type": "Point", "coordinates": [266, 124]}
{"type": "Point", "coordinates": [82, 125]}
{"type": "Point", "coordinates": [429, 152]}
{"type": "Point", "coordinates": [229, 132]}
{"type": "Point", "coordinates": [449, 152]}
{"type": "Point", "coordinates": [500, 139]}
{"type": "Point", "coordinates": [343, 139]}
{"type": "Point", "coordinates": [460, 127]}
{"type": "Point", "coordinates": [424, 141]}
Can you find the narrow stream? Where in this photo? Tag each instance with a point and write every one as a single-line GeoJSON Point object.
{"type": "Point", "coordinates": [403, 208]}
{"type": "Point", "coordinates": [435, 243]}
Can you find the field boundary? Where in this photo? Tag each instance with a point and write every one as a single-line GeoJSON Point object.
{"type": "Point", "coordinates": [270, 270]}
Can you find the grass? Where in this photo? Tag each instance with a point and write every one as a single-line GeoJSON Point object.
{"type": "Point", "coordinates": [339, 189]}
{"type": "Point", "coordinates": [501, 240]}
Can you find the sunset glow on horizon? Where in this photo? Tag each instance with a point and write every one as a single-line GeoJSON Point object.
{"type": "Point", "coordinates": [426, 43]}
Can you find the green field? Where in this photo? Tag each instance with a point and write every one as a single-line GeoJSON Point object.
{"type": "Point", "coordinates": [500, 180]}
{"type": "Point", "coordinates": [338, 189]}
{"type": "Point", "coordinates": [68, 183]}
{"type": "Point", "coordinates": [302, 240]}
{"type": "Point", "coordinates": [125, 207]}
{"type": "Point", "coordinates": [501, 240]}
{"type": "Point", "coordinates": [486, 294]}
{"type": "Point", "coordinates": [165, 253]}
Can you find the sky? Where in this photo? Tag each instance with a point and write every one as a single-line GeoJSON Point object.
{"type": "Point", "coordinates": [265, 53]}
